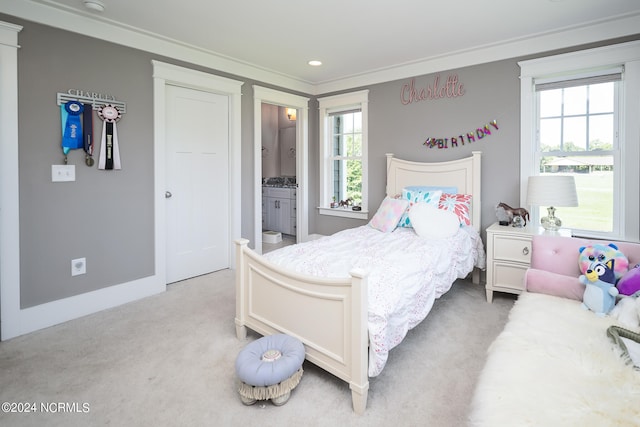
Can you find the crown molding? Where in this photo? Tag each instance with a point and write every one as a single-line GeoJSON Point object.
{"type": "Point", "coordinates": [592, 32]}
{"type": "Point", "coordinates": [94, 26]}
{"type": "Point", "coordinates": [98, 27]}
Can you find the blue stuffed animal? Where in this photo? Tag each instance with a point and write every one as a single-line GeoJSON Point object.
{"type": "Point", "coordinates": [600, 287]}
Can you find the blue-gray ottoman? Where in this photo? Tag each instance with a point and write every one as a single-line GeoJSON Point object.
{"type": "Point", "coordinates": [269, 368]}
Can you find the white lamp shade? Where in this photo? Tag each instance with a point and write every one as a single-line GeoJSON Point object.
{"type": "Point", "coordinates": [552, 190]}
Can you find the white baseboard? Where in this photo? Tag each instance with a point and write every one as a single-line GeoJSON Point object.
{"type": "Point", "coordinates": [52, 313]}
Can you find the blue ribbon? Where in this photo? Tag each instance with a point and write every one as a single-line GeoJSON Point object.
{"type": "Point", "coordinates": [72, 135]}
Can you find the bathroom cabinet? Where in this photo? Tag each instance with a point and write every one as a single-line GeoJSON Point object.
{"type": "Point", "coordinates": [279, 209]}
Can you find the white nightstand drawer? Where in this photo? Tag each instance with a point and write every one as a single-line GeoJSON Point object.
{"type": "Point", "coordinates": [509, 256]}
{"type": "Point", "coordinates": [512, 248]}
{"type": "Point", "coordinates": [510, 276]}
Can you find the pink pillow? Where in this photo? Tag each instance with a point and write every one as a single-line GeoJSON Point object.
{"type": "Point", "coordinates": [388, 214]}
{"type": "Point", "coordinates": [460, 204]}
{"type": "Point", "coordinates": [559, 285]}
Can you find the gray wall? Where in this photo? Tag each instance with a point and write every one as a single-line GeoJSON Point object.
{"type": "Point", "coordinates": [107, 216]}
{"type": "Point", "coordinates": [492, 92]}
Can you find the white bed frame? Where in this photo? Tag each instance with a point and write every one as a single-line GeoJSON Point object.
{"type": "Point", "coordinates": [329, 316]}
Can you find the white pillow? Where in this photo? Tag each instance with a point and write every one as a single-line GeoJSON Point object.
{"type": "Point", "coordinates": [417, 196]}
{"type": "Point", "coordinates": [429, 222]}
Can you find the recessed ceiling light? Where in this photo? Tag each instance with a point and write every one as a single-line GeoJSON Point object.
{"type": "Point", "coordinates": [315, 63]}
{"type": "Point", "coordinates": [94, 5]}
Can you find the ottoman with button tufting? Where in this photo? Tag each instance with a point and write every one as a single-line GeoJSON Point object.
{"type": "Point", "coordinates": [270, 368]}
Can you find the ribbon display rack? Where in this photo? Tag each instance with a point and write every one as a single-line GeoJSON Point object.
{"type": "Point", "coordinates": [96, 102]}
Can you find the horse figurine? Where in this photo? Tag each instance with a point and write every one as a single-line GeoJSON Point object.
{"type": "Point", "coordinates": [345, 203]}
{"type": "Point", "coordinates": [522, 212]}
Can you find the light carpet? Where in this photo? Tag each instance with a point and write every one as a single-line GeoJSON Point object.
{"type": "Point", "coordinates": [168, 360]}
{"type": "Point", "coordinates": [553, 365]}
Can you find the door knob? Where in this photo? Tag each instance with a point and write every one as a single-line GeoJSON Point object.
{"type": "Point", "coordinates": [167, 194]}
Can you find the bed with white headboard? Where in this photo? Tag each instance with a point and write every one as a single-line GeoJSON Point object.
{"type": "Point", "coordinates": [331, 315]}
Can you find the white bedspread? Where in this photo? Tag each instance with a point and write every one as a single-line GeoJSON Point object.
{"type": "Point", "coordinates": [406, 274]}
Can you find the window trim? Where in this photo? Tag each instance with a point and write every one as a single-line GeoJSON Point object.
{"type": "Point", "coordinates": [331, 105]}
{"type": "Point", "coordinates": [563, 66]}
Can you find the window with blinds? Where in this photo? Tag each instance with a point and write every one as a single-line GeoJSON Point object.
{"type": "Point", "coordinates": [577, 128]}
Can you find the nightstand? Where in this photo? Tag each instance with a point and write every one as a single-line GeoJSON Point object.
{"type": "Point", "coordinates": [509, 256]}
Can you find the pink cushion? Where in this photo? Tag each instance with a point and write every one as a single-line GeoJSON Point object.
{"type": "Point", "coordinates": [554, 264]}
{"type": "Point", "coordinates": [460, 204]}
{"type": "Point", "coordinates": [546, 282]}
{"type": "Point", "coordinates": [388, 214]}
{"type": "Point", "coordinates": [560, 254]}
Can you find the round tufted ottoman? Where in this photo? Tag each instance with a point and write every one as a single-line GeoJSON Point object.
{"type": "Point", "coordinates": [269, 368]}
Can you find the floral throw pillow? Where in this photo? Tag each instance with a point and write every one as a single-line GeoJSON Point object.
{"type": "Point", "coordinates": [418, 196]}
{"type": "Point", "coordinates": [460, 204]}
{"type": "Point", "coordinates": [388, 214]}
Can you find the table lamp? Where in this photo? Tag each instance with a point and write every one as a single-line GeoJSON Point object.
{"type": "Point", "coordinates": [551, 191]}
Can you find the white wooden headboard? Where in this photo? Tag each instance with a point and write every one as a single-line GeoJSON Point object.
{"type": "Point", "coordinates": [463, 174]}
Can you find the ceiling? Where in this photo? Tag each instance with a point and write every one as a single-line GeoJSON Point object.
{"type": "Point", "coordinates": [355, 39]}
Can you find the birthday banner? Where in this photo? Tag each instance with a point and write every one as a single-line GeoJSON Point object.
{"type": "Point", "coordinates": [461, 139]}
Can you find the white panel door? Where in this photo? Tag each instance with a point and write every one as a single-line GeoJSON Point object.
{"type": "Point", "coordinates": [197, 198]}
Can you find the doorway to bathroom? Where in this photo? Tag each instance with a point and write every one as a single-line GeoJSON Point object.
{"type": "Point", "coordinates": [280, 167]}
{"type": "Point", "coordinates": [279, 184]}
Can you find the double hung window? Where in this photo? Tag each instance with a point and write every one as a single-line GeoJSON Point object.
{"type": "Point", "coordinates": [577, 128]}
{"type": "Point", "coordinates": [343, 139]}
{"type": "Point", "coordinates": [577, 118]}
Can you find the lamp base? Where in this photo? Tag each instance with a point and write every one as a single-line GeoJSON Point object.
{"type": "Point", "coordinates": [551, 222]}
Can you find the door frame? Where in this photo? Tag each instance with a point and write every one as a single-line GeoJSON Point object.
{"type": "Point", "coordinates": [301, 104]}
{"type": "Point", "coordinates": [168, 74]}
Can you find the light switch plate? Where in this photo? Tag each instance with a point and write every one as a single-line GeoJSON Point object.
{"type": "Point", "coordinates": [63, 173]}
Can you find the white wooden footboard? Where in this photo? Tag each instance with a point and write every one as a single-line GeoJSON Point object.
{"type": "Point", "coordinates": [329, 316]}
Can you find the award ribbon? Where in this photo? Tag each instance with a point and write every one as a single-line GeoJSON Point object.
{"type": "Point", "coordinates": [109, 148]}
{"type": "Point", "coordinates": [87, 133]}
{"type": "Point", "coordinates": [71, 126]}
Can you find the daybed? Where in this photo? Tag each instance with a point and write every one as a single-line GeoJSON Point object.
{"type": "Point", "coordinates": [339, 308]}
{"type": "Point", "coordinates": [554, 364]}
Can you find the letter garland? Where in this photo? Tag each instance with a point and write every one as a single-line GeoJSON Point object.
{"type": "Point", "coordinates": [109, 149]}
{"type": "Point", "coordinates": [479, 133]}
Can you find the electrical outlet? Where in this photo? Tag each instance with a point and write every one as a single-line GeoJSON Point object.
{"type": "Point", "coordinates": [78, 266]}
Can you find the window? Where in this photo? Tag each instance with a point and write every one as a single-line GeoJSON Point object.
{"type": "Point", "coordinates": [577, 129]}
{"type": "Point", "coordinates": [577, 120]}
{"type": "Point", "coordinates": [343, 137]}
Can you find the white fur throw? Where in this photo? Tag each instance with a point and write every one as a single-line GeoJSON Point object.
{"type": "Point", "coordinates": [553, 365]}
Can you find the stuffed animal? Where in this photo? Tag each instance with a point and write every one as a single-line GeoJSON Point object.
{"type": "Point", "coordinates": [627, 311]}
{"type": "Point", "coordinates": [603, 253]}
{"type": "Point", "coordinates": [600, 287]}
{"type": "Point", "coordinates": [629, 284]}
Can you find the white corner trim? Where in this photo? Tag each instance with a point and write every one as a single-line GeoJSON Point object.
{"type": "Point", "coordinates": [10, 316]}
